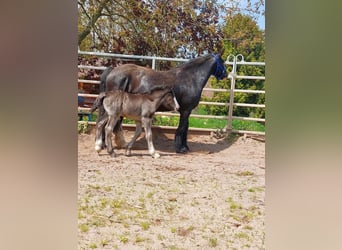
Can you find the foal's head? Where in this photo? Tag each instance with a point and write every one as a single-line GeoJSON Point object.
{"type": "Point", "coordinates": [166, 99]}
{"type": "Point", "coordinates": [169, 101]}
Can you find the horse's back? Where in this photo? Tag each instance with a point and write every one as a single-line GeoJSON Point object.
{"type": "Point", "coordinates": [125, 77]}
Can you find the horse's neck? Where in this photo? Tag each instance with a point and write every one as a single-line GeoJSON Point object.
{"type": "Point", "coordinates": [202, 68]}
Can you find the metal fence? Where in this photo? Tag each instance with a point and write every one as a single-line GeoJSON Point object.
{"type": "Point", "coordinates": [232, 60]}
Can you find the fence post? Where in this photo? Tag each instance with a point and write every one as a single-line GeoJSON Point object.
{"type": "Point", "coordinates": [232, 76]}
{"type": "Point", "coordinates": [154, 63]}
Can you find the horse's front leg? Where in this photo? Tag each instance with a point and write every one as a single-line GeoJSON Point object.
{"type": "Point", "coordinates": [182, 133]}
{"type": "Point", "coordinates": [109, 131]}
{"type": "Point", "coordinates": [147, 122]}
{"type": "Point", "coordinates": [136, 135]}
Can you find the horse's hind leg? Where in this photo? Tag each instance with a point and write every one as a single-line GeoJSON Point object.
{"type": "Point", "coordinates": [147, 122]}
{"type": "Point", "coordinates": [109, 130]}
{"type": "Point", "coordinates": [132, 141]}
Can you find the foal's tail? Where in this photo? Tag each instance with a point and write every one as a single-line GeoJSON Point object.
{"type": "Point", "coordinates": [98, 102]}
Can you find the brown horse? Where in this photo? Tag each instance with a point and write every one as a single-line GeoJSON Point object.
{"type": "Point", "coordinates": [139, 107]}
{"type": "Point", "coordinates": [187, 81]}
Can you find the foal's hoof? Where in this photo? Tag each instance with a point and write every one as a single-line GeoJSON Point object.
{"type": "Point", "coordinates": [156, 155]}
{"type": "Point", "coordinates": [98, 148]}
{"type": "Point", "coordinates": [128, 152]}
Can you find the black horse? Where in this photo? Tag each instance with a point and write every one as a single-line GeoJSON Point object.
{"type": "Point", "coordinates": [187, 81]}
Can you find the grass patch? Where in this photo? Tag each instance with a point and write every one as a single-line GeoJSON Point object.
{"type": "Point", "coordinates": [212, 242]}
{"type": "Point", "coordinates": [96, 187]}
{"type": "Point", "coordinates": [117, 203]}
{"type": "Point", "coordinates": [208, 123]}
{"type": "Point", "coordinates": [145, 225]}
{"type": "Point", "coordinates": [84, 228]}
{"type": "Point", "coordinates": [204, 122]}
{"type": "Point", "coordinates": [245, 173]}
{"type": "Point", "coordinates": [242, 236]}
{"type": "Point", "coordinates": [104, 242]}
{"type": "Point", "coordinates": [92, 246]}
{"type": "Point", "coordinates": [232, 204]}
{"type": "Point", "coordinates": [150, 195]}
{"type": "Point", "coordinates": [139, 239]}
{"type": "Point", "coordinates": [123, 239]}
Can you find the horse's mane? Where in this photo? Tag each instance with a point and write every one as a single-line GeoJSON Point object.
{"type": "Point", "coordinates": [193, 62]}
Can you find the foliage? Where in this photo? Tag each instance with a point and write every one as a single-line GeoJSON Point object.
{"type": "Point", "coordinates": [83, 127]}
{"type": "Point", "coordinates": [164, 28]}
{"type": "Point", "coordinates": [242, 36]}
{"type": "Point", "coordinates": [184, 28]}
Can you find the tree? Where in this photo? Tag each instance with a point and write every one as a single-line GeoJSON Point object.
{"type": "Point", "coordinates": [164, 28]}
{"type": "Point", "coordinates": [169, 28]}
{"type": "Point", "coordinates": [242, 36]}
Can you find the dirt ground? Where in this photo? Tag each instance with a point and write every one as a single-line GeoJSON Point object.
{"type": "Point", "coordinates": [213, 197]}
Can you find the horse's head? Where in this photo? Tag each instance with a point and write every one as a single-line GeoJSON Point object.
{"type": "Point", "coordinates": [220, 70]}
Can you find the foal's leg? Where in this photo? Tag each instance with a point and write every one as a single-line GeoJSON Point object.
{"type": "Point", "coordinates": [102, 115]}
{"type": "Point", "coordinates": [147, 122]}
{"type": "Point", "coordinates": [98, 135]}
{"type": "Point", "coordinates": [119, 135]}
{"type": "Point", "coordinates": [136, 135]}
{"type": "Point", "coordinates": [109, 131]}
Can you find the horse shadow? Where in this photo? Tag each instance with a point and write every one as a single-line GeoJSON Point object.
{"type": "Point", "coordinates": [164, 143]}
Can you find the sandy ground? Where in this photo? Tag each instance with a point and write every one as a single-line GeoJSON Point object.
{"type": "Point", "coordinates": [212, 197]}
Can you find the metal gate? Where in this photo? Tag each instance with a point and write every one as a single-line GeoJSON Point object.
{"type": "Point", "coordinates": [232, 60]}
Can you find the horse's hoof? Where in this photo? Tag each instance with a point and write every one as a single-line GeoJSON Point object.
{"type": "Point", "coordinates": [113, 155]}
{"type": "Point", "coordinates": [183, 150]}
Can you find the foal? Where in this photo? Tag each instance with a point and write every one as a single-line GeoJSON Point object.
{"type": "Point", "coordinates": [139, 107]}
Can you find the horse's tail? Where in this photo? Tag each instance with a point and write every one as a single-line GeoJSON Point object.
{"type": "Point", "coordinates": [103, 79]}
{"type": "Point", "coordinates": [98, 102]}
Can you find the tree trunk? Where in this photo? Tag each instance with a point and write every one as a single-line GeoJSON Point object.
{"type": "Point", "coordinates": [91, 23]}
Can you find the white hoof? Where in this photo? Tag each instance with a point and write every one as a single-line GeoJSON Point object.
{"type": "Point", "coordinates": [128, 152]}
{"type": "Point", "coordinates": [155, 155]}
{"type": "Point", "coordinates": [98, 148]}
{"type": "Point", "coordinates": [98, 145]}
